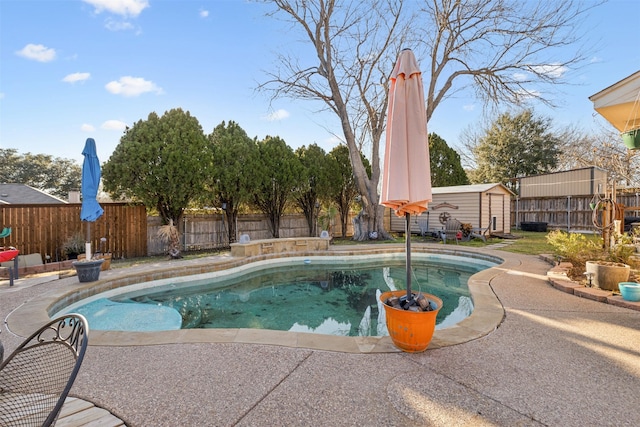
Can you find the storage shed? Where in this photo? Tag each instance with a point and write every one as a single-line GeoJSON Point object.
{"type": "Point", "coordinates": [481, 205]}
{"type": "Point", "coordinates": [576, 182]}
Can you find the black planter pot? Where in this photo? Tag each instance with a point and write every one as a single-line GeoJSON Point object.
{"type": "Point", "coordinates": [88, 271]}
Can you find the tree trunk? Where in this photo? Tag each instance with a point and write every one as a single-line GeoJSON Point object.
{"type": "Point", "coordinates": [274, 223]}
{"type": "Point", "coordinates": [344, 216]}
{"type": "Point", "coordinates": [231, 214]}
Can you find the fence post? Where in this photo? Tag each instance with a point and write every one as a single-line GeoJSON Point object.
{"type": "Point", "coordinates": [568, 214]}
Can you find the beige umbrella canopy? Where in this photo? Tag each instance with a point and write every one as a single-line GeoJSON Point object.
{"type": "Point", "coordinates": [406, 180]}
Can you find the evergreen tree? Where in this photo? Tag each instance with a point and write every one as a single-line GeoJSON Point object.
{"type": "Point", "coordinates": [343, 189]}
{"type": "Point", "coordinates": [53, 175]}
{"type": "Point", "coordinates": [516, 146]}
{"type": "Point", "coordinates": [233, 154]}
{"type": "Point", "coordinates": [315, 184]}
{"type": "Point", "coordinates": [278, 174]}
{"type": "Point", "coordinates": [446, 168]}
{"type": "Point", "coordinates": [159, 163]}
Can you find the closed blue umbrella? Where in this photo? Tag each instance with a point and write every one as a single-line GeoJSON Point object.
{"type": "Point", "coordinates": [91, 209]}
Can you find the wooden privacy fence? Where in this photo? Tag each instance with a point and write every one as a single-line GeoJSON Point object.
{"type": "Point", "coordinates": [43, 229]}
{"type": "Point", "coordinates": [569, 212]}
{"type": "Point", "coordinates": [210, 231]}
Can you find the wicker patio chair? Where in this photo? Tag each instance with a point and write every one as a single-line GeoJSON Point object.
{"type": "Point", "coordinates": [36, 378]}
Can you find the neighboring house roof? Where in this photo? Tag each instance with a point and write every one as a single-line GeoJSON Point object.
{"type": "Point", "coordinates": [473, 188]}
{"type": "Point", "coordinates": [22, 194]}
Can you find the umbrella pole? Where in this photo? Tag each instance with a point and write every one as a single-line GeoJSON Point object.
{"type": "Point", "coordinates": [88, 242]}
{"type": "Point", "coordinates": [407, 233]}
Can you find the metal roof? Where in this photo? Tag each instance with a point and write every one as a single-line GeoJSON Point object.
{"type": "Point", "coordinates": [473, 188]}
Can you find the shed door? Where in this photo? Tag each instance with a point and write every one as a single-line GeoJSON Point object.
{"type": "Point", "coordinates": [497, 212]}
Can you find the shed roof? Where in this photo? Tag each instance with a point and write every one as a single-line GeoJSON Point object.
{"type": "Point", "coordinates": [473, 188]}
{"type": "Point", "coordinates": [22, 194]}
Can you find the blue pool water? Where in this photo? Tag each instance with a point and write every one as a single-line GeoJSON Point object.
{"type": "Point", "coordinates": [329, 296]}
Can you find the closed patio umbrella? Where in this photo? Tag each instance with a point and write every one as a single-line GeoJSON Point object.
{"type": "Point", "coordinates": [406, 180]}
{"type": "Point", "coordinates": [91, 209]}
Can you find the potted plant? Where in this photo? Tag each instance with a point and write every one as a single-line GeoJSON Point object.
{"type": "Point", "coordinates": [88, 270]}
{"type": "Point", "coordinates": [412, 328]}
{"type": "Point", "coordinates": [632, 139]}
{"type": "Point", "coordinates": [74, 245]}
{"type": "Point", "coordinates": [466, 230]}
{"type": "Point", "coordinates": [607, 274]}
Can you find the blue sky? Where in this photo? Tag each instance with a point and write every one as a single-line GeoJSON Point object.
{"type": "Point", "coordinates": [74, 69]}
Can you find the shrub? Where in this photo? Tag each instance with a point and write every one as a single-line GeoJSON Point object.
{"type": "Point", "coordinates": [573, 247]}
{"type": "Point", "coordinates": [74, 245]}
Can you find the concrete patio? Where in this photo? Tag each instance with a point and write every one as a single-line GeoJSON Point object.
{"type": "Point", "coordinates": [548, 358]}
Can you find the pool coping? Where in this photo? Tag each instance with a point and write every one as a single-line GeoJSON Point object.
{"type": "Point", "coordinates": [487, 315]}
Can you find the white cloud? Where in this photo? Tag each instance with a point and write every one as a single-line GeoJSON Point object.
{"type": "Point", "coordinates": [1, 95]}
{"type": "Point", "coordinates": [132, 86]}
{"type": "Point", "coordinates": [525, 94]}
{"type": "Point", "coordinates": [595, 60]}
{"type": "Point", "coordinates": [113, 125]}
{"type": "Point", "coordinates": [520, 76]}
{"type": "Point", "coordinates": [204, 13]}
{"type": "Point", "coordinates": [468, 107]}
{"type": "Point", "coordinates": [76, 77]}
{"type": "Point", "coordinates": [276, 115]}
{"type": "Point", "coordinates": [115, 25]}
{"type": "Point", "coordinates": [37, 52]}
{"type": "Point", "coordinates": [87, 128]}
{"type": "Point", "coordinates": [131, 8]}
{"type": "Point", "coordinates": [552, 70]}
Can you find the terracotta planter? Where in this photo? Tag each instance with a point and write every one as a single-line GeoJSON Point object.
{"type": "Point", "coordinates": [607, 275]}
{"type": "Point", "coordinates": [411, 331]}
{"type": "Point", "coordinates": [88, 271]}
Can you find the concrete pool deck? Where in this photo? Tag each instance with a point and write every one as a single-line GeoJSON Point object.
{"type": "Point", "coordinates": [537, 356]}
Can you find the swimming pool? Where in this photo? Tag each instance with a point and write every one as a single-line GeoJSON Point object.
{"type": "Point", "coordinates": [326, 295]}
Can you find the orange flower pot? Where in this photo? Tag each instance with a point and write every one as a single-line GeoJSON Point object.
{"type": "Point", "coordinates": [410, 331]}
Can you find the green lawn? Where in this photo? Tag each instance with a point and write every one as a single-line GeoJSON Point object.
{"type": "Point", "coordinates": [528, 242]}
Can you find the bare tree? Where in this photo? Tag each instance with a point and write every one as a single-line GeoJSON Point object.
{"type": "Point", "coordinates": [579, 148]}
{"type": "Point", "coordinates": [602, 148]}
{"type": "Point", "coordinates": [506, 50]}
